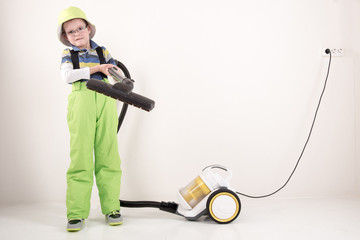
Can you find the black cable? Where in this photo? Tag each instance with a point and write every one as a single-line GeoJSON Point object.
{"type": "Point", "coordinates": [307, 140]}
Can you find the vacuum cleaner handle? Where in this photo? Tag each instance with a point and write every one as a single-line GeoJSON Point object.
{"type": "Point", "coordinates": [229, 173]}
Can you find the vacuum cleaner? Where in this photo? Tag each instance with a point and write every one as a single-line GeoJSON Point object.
{"type": "Point", "coordinates": [208, 194]}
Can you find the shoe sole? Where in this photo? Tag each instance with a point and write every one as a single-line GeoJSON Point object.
{"type": "Point", "coordinates": [73, 229]}
{"type": "Point", "coordinates": [116, 224]}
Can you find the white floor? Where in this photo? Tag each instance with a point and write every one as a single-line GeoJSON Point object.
{"type": "Point", "coordinates": [288, 219]}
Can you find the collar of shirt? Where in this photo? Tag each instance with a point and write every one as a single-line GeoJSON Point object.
{"type": "Point", "coordinates": [93, 45]}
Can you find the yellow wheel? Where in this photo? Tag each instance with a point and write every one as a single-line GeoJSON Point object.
{"type": "Point", "coordinates": [223, 206]}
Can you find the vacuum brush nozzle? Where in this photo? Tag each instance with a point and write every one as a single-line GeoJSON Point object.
{"type": "Point", "coordinates": [121, 91]}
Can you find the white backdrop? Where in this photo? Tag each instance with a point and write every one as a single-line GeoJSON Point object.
{"type": "Point", "coordinates": [235, 83]}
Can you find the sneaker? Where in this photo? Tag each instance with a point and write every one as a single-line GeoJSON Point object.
{"type": "Point", "coordinates": [75, 225]}
{"type": "Point", "coordinates": [114, 218]}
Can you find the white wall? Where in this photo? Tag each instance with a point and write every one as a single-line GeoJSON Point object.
{"type": "Point", "coordinates": [235, 83]}
{"type": "Point", "coordinates": [356, 56]}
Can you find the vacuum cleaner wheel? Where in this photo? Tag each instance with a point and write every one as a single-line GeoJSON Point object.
{"type": "Point", "coordinates": [223, 206]}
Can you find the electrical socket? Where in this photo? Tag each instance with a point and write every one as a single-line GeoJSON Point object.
{"type": "Point", "coordinates": [335, 52]}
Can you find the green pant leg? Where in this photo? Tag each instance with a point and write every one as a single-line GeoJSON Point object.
{"type": "Point", "coordinates": [81, 122]}
{"type": "Point", "coordinates": [107, 160]}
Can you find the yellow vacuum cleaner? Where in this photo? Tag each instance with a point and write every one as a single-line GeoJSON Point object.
{"type": "Point", "coordinates": [209, 194]}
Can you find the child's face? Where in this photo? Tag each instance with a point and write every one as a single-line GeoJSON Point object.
{"type": "Point", "coordinates": [77, 33]}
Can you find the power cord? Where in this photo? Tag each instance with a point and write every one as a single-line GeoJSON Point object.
{"type": "Point", "coordinates": [327, 51]}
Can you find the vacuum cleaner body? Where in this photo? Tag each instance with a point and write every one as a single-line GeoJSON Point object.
{"type": "Point", "coordinates": [209, 194]}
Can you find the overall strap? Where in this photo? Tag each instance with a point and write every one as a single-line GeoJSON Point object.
{"type": "Point", "coordinates": [100, 54]}
{"type": "Point", "coordinates": [75, 59]}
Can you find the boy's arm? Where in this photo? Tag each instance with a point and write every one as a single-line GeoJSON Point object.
{"type": "Point", "coordinates": [70, 75]}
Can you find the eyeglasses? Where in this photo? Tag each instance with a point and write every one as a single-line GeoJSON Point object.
{"type": "Point", "coordinates": [78, 30]}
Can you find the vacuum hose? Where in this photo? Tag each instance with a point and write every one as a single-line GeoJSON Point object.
{"type": "Point", "coordinates": [125, 105]}
{"type": "Point", "coordinates": [170, 207]}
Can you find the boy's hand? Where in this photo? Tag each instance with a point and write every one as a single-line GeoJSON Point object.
{"type": "Point", "coordinates": [103, 68]}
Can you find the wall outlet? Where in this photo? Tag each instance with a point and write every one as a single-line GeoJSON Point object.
{"type": "Point", "coordinates": [335, 52]}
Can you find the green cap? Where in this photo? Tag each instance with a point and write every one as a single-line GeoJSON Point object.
{"type": "Point", "coordinates": [68, 14]}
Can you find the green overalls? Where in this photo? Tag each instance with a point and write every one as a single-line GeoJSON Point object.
{"type": "Point", "coordinates": [92, 120]}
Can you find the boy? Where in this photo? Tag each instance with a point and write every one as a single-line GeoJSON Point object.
{"type": "Point", "coordinates": [92, 121]}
